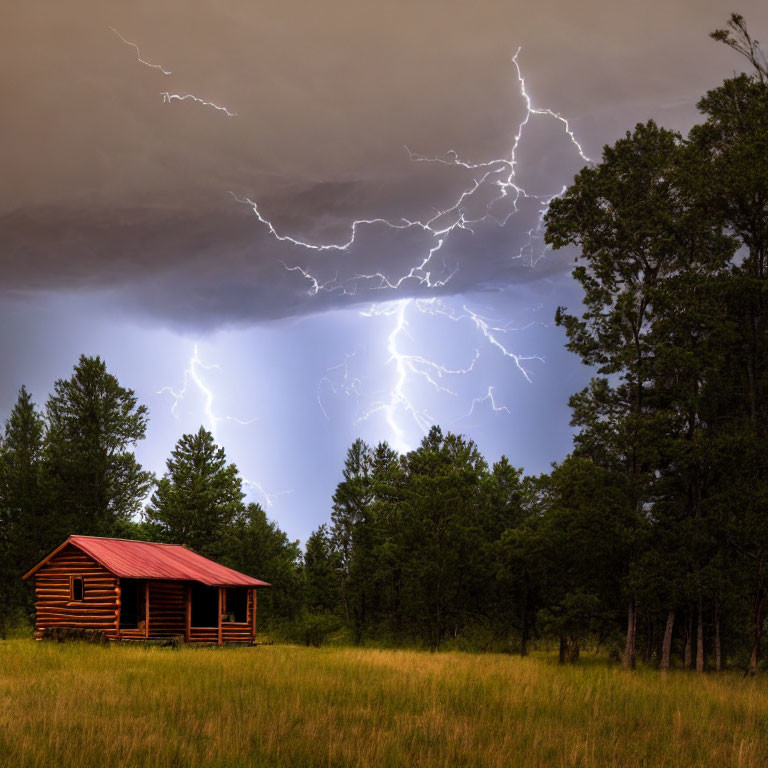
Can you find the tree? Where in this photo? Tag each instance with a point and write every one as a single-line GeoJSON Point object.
{"type": "Point", "coordinates": [351, 526]}
{"type": "Point", "coordinates": [199, 499]}
{"type": "Point", "coordinates": [737, 37]}
{"type": "Point", "coordinates": [643, 236]}
{"type": "Point", "coordinates": [586, 529]}
{"type": "Point", "coordinates": [440, 522]}
{"type": "Point", "coordinates": [516, 586]}
{"type": "Point", "coordinates": [25, 530]}
{"type": "Point", "coordinates": [93, 481]}
{"type": "Point", "coordinates": [733, 145]}
{"type": "Point", "coordinates": [322, 593]}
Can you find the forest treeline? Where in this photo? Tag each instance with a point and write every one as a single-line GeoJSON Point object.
{"type": "Point", "coordinates": [650, 538]}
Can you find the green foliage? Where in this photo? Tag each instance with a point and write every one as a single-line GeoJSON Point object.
{"type": "Point", "coordinates": [91, 475]}
{"type": "Point", "coordinates": [322, 572]}
{"type": "Point", "coordinates": [24, 519]}
{"type": "Point", "coordinates": [198, 500]}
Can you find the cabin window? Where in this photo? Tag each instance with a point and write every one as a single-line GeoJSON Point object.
{"type": "Point", "coordinates": [132, 603]}
{"type": "Point", "coordinates": [237, 605]}
{"type": "Point", "coordinates": [205, 606]}
{"type": "Point", "coordinates": [76, 589]}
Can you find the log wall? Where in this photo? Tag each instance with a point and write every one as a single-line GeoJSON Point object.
{"type": "Point", "coordinates": [167, 608]}
{"type": "Point", "coordinates": [54, 606]}
{"type": "Point", "coordinates": [203, 634]}
{"type": "Point", "coordinates": [240, 632]}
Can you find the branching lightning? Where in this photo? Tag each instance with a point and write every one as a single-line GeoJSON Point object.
{"type": "Point", "coordinates": [400, 398]}
{"type": "Point", "coordinates": [486, 398]}
{"type": "Point", "coordinates": [497, 176]}
{"type": "Point", "coordinates": [491, 332]}
{"type": "Point", "coordinates": [406, 366]}
{"type": "Point", "coordinates": [193, 376]}
{"type": "Point", "coordinates": [498, 173]}
{"type": "Point", "coordinates": [169, 97]}
{"type": "Point", "coordinates": [500, 176]}
{"type": "Point", "coordinates": [138, 55]}
{"type": "Point", "coordinates": [338, 379]}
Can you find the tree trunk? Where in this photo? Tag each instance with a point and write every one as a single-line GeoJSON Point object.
{"type": "Point", "coordinates": [688, 641]}
{"type": "Point", "coordinates": [760, 604]}
{"type": "Point", "coordinates": [718, 652]}
{"type": "Point", "coordinates": [700, 640]}
{"type": "Point", "coordinates": [629, 649]}
{"type": "Point", "coordinates": [666, 646]}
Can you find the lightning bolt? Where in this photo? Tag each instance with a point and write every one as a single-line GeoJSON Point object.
{"type": "Point", "coordinates": [497, 176]}
{"type": "Point", "coordinates": [169, 97]}
{"type": "Point", "coordinates": [491, 332]}
{"type": "Point", "coordinates": [404, 364]}
{"type": "Point", "coordinates": [192, 374]}
{"type": "Point", "coordinates": [138, 54]}
{"type": "Point", "coordinates": [338, 379]}
{"type": "Point", "coordinates": [499, 173]}
{"type": "Point", "coordinates": [400, 402]}
{"type": "Point", "coordinates": [488, 397]}
{"type": "Point", "coordinates": [193, 377]}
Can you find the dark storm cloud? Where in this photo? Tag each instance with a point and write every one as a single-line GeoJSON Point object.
{"type": "Point", "coordinates": [106, 187]}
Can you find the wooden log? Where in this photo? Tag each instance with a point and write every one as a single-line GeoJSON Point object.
{"type": "Point", "coordinates": [69, 621]}
{"type": "Point", "coordinates": [67, 610]}
{"type": "Point", "coordinates": [76, 604]}
{"type": "Point", "coordinates": [221, 610]}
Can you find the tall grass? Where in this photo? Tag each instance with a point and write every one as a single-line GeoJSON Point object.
{"type": "Point", "coordinates": [80, 705]}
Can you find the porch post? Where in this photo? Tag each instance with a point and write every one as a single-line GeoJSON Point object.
{"type": "Point", "coordinates": [221, 609]}
{"type": "Point", "coordinates": [253, 615]}
{"type": "Point", "coordinates": [118, 608]}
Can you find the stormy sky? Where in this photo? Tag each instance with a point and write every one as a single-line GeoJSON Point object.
{"type": "Point", "coordinates": [208, 236]}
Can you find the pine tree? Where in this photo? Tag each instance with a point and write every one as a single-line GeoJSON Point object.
{"type": "Point", "coordinates": [199, 499]}
{"type": "Point", "coordinates": [93, 481]}
{"type": "Point", "coordinates": [24, 530]}
{"type": "Point", "coordinates": [322, 593]}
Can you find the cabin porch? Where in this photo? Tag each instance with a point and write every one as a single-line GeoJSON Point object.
{"type": "Point", "coordinates": [150, 609]}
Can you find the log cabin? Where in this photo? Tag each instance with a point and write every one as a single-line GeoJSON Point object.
{"type": "Point", "coordinates": [143, 590]}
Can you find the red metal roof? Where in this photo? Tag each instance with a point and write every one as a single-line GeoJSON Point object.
{"type": "Point", "coordinates": [152, 560]}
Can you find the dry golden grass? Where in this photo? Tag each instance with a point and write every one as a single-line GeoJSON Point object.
{"type": "Point", "coordinates": [122, 706]}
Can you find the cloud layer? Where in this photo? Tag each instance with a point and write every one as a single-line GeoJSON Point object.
{"type": "Point", "coordinates": [108, 186]}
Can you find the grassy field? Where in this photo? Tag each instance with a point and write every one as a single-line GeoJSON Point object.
{"type": "Point", "coordinates": [79, 705]}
